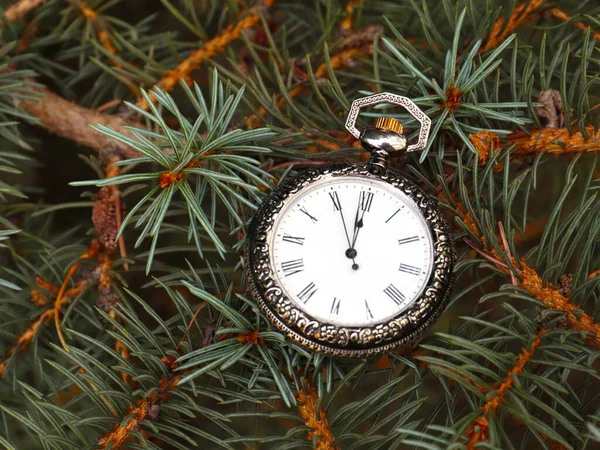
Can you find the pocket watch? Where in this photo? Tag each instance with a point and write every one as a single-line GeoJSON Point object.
{"type": "Point", "coordinates": [353, 260]}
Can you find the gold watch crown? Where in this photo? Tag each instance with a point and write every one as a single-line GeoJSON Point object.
{"type": "Point", "coordinates": [389, 124]}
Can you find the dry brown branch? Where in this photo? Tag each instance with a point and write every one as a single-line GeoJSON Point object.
{"type": "Point", "coordinates": [19, 9]}
{"type": "Point", "coordinates": [209, 49]}
{"type": "Point", "coordinates": [315, 419]}
{"type": "Point", "coordinates": [554, 141]}
{"type": "Point", "coordinates": [345, 58]}
{"type": "Point", "coordinates": [530, 280]}
{"type": "Point", "coordinates": [63, 297]}
{"type": "Point", "coordinates": [145, 409]}
{"type": "Point", "coordinates": [72, 121]}
{"type": "Point", "coordinates": [478, 431]}
{"type": "Point", "coordinates": [500, 31]}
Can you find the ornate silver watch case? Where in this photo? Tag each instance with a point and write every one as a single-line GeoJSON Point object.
{"type": "Point", "coordinates": [380, 337]}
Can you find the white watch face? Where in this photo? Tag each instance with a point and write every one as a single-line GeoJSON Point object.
{"type": "Point", "coordinates": [351, 251]}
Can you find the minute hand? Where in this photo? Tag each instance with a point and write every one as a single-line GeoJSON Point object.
{"type": "Point", "coordinates": [363, 206]}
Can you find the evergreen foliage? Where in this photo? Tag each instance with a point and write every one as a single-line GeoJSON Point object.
{"type": "Point", "coordinates": [126, 320]}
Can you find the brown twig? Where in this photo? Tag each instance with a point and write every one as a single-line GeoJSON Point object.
{"type": "Point", "coordinates": [209, 49]}
{"type": "Point", "coordinates": [478, 431]}
{"type": "Point", "coordinates": [513, 278]}
{"type": "Point", "coordinates": [21, 8]}
{"type": "Point", "coordinates": [72, 121]}
{"type": "Point", "coordinates": [501, 30]}
{"type": "Point", "coordinates": [343, 59]}
{"type": "Point", "coordinates": [553, 141]}
{"type": "Point", "coordinates": [145, 409]}
{"type": "Point", "coordinates": [315, 419]}
{"type": "Point", "coordinates": [63, 296]}
{"type": "Point", "coordinates": [530, 281]}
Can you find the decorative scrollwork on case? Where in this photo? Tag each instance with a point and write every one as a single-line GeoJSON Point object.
{"type": "Point", "coordinates": [337, 340]}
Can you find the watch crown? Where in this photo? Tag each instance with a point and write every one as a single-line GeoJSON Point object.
{"type": "Point", "coordinates": [389, 124]}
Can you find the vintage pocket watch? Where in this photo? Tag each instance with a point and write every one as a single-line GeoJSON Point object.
{"type": "Point", "coordinates": [353, 259]}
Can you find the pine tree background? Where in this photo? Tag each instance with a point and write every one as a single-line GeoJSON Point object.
{"type": "Point", "coordinates": [137, 138]}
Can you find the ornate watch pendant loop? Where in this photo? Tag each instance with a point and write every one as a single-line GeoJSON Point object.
{"type": "Point", "coordinates": [387, 134]}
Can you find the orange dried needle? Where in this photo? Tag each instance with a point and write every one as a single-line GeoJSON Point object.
{"type": "Point", "coordinates": [561, 15]}
{"type": "Point", "coordinates": [61, 298]}
{"type": "Point", "coordinates": [500, 31]}
{"type": "Point", "coordinates": [347, 20]}
{"type": "Point", "coordinates": [43, 319]}
{"type": "Point", "coordinates": [19, 9]}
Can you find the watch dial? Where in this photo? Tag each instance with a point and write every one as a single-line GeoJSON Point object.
{"type": "Point", "coordinates": [351, 251]}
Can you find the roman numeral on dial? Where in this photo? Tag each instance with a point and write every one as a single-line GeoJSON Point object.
{"type": "Point", "coordinates": [409, 269]}
{"type": "Point", "coordinates": [408, 240]}
{"type": "Point", "coordinates": [292, 267]}
{"type": "Point", "coordinates": [369, 313]}
{"type": "Point", "coordinates": [335, 306]}
{"type": "Point", "coordinates": [293, 239]}
{"type": "Point", "coordinates": [337, 206]}
{"type": "Point", "coordinates": [313, 218]}
{"type": "Point", "coordinates": [365, 200]}
{"type": "Point", "coordinates": [306, 293]}
{"type": "Point", "coordinates": [394, 293]}
{"type": "Point", "coordinates": [392, 216]}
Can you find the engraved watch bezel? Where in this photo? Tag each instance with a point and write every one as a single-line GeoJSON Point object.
{"type": "Point", "coordinates": [336, 340]}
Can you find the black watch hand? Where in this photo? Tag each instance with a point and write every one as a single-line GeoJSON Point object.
{"type": "Point", "coordinates": [358, 224]}
{"type": "Point", "coordinates": [350, 253]}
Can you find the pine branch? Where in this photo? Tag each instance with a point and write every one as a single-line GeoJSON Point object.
{"type": "Point", "coordinates": [209, 49]}
{"type": "Point", "coordinates": [63, 297]}
{"type": "Point", "coordinates": [145, 409]}
{"type": "Point", "coordinates": [102, 32]}
{"type": "Point", "coordinates": [357, 44]}
{"type": "Point", "coordinates": [530, 280]}
{"type": "Point", "coordinates": [478, 430]}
